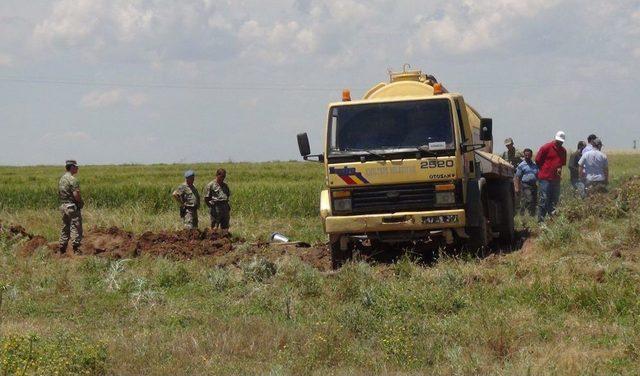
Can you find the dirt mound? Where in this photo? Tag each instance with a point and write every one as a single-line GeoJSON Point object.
{"type": "Point", "coordinates": [17, 232]}
{"type": "Point", "coordinates": [116, 243]}
{"type": "Point", "coordinates": [186, 244]}
{"type": "Point", "coordinates": [316, 255]}
{"type": "Point", "coordinates": [14, 231]}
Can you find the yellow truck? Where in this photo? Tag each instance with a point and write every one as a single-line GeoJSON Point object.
{"type": "Point", "coordinates": [410, 163]}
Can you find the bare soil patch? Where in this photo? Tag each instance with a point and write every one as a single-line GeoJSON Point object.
{"type": "Point", "coordinates": [116, 243]}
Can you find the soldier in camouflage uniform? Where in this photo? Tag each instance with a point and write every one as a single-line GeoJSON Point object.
{"type": "Point", "coordinates": [71, 204]}
{"type": "Point", "coordinates": [216, 195]}
{"type": "Point", "coordinates": [512, 155]}
{"type": "Point", "coordinates": [189, 199]}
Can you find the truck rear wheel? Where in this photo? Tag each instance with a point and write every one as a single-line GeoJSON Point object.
{"type": "Point", "coordinates": [507, 232]}
{"type": "Point", "coordinates": [338, 256]}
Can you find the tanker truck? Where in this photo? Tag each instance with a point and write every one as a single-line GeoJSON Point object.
{"type": "Point", "coordinates": [412, 163]}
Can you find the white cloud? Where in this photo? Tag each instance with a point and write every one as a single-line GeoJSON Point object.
{"type": "Point", "coordinates": [98, 99]}
{"type": "Point", "coordinates": [71, 23]}
{"type": "Point", "coordinates": [102, 99]}
{"type": "Point", "coordinates": [71, 136]}
{"type": "Point", "coordinates": [276, 43]}
{"type": "Point", "coordinates": [469, 26]}
{"type": "Point", "coordinates": [137, 99]}
{"type": "Point", "coordinates": [5, 60]}
{"type": "Point", "coordinates": [143, 30]}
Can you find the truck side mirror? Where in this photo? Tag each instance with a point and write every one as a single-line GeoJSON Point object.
{"type": "Point", "coordinates": [486, 129]}
{"type": "Point", "coordinates": [303, 144]}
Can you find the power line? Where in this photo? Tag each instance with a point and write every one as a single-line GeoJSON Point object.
{"type": "Point", "coordinates": [283, 87]}
{"type": "Point", "coordinates": [460, 86]}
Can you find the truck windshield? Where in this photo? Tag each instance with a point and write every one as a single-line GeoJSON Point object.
{"type": "Point", "coordinates": [425, 124]}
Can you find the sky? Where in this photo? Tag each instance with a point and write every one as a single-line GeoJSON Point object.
{"type": "Point", "coordinates": [159, 81]}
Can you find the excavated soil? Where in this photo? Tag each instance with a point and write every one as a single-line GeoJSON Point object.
{"type": "Point", "coordinates": [116, 243]}
{"type": "Point", "coordinates": [13, 232]}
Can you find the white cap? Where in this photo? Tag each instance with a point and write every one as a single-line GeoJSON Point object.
{"type": "Point", "coordinates": [560, 136]}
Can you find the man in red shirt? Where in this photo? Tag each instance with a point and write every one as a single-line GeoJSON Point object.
{"type": "Point", "coordinates": [550, 158]}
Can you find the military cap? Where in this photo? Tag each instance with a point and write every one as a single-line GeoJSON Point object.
{"type": "Point", "coordinates": [189, 173]}
{"type": "Point", "coordinates": [71, 162]}
{"type": "Point", "coordinates": [508, 141]}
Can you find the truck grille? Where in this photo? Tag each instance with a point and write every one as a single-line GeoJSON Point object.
{"type": "Point", "coordinates": [388, 199]}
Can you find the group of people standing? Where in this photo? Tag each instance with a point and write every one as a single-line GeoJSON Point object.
{"type": "Point", "coordinates": [537, 181]}
{"type": "Point", "coordinates": [216, 196]}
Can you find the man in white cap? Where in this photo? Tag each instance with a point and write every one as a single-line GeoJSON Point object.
{"type": "Point", "coordinates": [550, 159]}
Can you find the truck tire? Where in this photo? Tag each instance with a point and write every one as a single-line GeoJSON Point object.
{"type": "Point", "coordinates": [507, 232]}
{"type": "Point", "coordinates": [338, 256]}
{"type": "Point", "coordinates": [479, 236]}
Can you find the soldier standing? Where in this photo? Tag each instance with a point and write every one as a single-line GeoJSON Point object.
{"type": "Point", "coordinates": [512, 155]}
{"type": "Point", "coordinates": [216, 195]}
{"type": "Point", "coordinates": [71, 204]}
{"type": "Point", "coordinates": [189, 199]}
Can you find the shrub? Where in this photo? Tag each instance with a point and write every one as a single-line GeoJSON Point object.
{"type": "Point", "coordinates": [258, 270]}
{"type": "Point", "coordinates": [61, 354]}
{"type": "Point", "coordinates": [219, 279]}
{"type": "Point", "coordinates": [171, 276]}
{"type": "Point", "coordinates": [560, 232]}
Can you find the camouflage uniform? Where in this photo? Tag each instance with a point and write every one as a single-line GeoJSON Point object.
{"type": "Point", "coordinates": [71, 215]}
{"type": "Point", "coordinates": [190, 199]}
{"type": "Point", "coordinates": [217, 197]}
{"type": "Point", "coordinates": [514, 157]}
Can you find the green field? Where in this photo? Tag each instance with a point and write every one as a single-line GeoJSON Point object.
{"type": "Point", "coordinates": [567, 303]}
{"type": "Point", "coordinates": [266, 197]}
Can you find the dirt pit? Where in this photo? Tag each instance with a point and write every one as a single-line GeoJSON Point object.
{"type": "Point", "coordinates": [116, 243]}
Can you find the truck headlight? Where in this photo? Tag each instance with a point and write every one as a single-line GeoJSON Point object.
{"type": "Point", "coordinates": [342, 204]}
{"type": "Point", "coordinates": [445, 198]}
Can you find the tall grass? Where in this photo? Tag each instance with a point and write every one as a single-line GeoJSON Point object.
{"type": "Point", "coordinates": [283, 189]}
{"type": "Point", "coordinates": [266, 197]}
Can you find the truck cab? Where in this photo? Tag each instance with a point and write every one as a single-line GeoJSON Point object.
{"type": "Point", "coordinates": [410, 162]}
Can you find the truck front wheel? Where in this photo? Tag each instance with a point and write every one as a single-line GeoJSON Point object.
{"type": "Point", "coordinates": [338, 256]}
{"type": "Point", "coordinates": [478, 237]}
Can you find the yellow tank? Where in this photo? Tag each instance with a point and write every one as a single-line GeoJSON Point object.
{"type": "Point", "coordinates": [415, 83]}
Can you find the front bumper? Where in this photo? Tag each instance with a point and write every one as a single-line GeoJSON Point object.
{"type": "Point", "coordinates": [403, 221]}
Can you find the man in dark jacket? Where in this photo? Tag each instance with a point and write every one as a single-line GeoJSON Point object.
{"type": "Point", "coordinates": [573, 166]}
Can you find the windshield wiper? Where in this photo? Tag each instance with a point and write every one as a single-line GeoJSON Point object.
{"type": "Point", "coordinates": [383, 156]}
